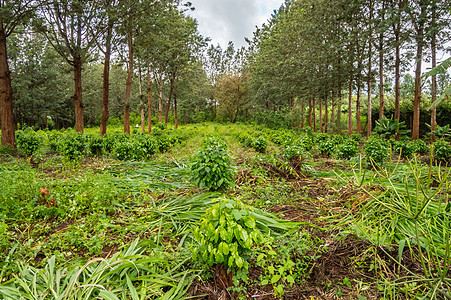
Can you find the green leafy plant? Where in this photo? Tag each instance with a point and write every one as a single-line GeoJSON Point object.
{"type": "Point", "coordinates": [226, 234]}
{"type": "Point", "coordinates": [128, 150]}
{"type": "Point", "coordinates": [72, 145]}
{"type": "Point", "coordinates": [376, 150]}
{"type": "Point", "coordinates": [327, 145]}
{"type": "Point", "coordinates": [212, 167]}
{"type": "Point", "coordinates": [28, 141]}
{"type": "Point", "coordinates": [442, 151]}
{"type": "Point", "coordinates": [388, 128]}
{"type": "Point", "coordinates": [347, 149]}
{"type": "Point", "coordinates": [419, 146]}
{"type": "Point", "coordinates": [441, 132]}
{"type": "Point", "coordinates": [402, 148]}
{"type": "Point", "coordinates": [260, 144]}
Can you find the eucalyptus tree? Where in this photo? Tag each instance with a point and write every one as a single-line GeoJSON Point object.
{"type": "Point", "coordinates": [13, 13]}
{"type": "Point", "coordinates": [72, 27]}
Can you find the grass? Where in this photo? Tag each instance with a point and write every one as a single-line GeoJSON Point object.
{"type": "Point", "coordinates": [123, 229]}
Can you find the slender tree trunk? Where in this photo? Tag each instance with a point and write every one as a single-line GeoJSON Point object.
{"type": "Point", "coordinates": [79, 125]}
{"type": "Point", "coordinates": [160, 99]}
{"type": "Point", "coordinates": [310, 111]}
{"type": "Point", "coordinates": [369, 123]}
{"type": "Point", "coordinates": [302, 113]}
{"type": "Point", "coordinates": [417, 100]}
{"type": "Point", "coordinates": [168, 105]}
{"type": "Point", "coordinates": [326, 114]}
{"type": "Point", "coordinates": [397, 77]}
{"type": "Point", "coordinates": [314, 114]}
{"type": "Point", "coordinates": [149, 100]}
{"type": "Point", "coordinates": [350, 107]}
{"type": "Point", "coordinates": [381, 75]}
{"type": "Point", "coordinates": [332, 118]}
{"type": "Point", "coordinates": [6, 96]}
{"type": "Point", "coordinates": [176, 119]}
{"type": "Point", "coordinates": [128, 86]}
{"type": "Point", "coordinates": [434, 77]}
{"type": "Point", "coordinates": [320, 115]}
{"type": "Point", "coordinates": [357, 109]}
{"type": "Point", "coordinates": [141, 99]}
{"type": "Point", "coordinates": [339, 103]}
{"type": "Point", "coordinates": [106, 81]}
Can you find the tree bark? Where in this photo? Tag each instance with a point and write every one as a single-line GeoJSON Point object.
{"type": "Point", "coordinates": [381, 76]}
{"type": "Point", "coordinates": [434, 77]}
{"type": "Point", "coordinates": [350, 107]}
{"type": "Point", "coordinates": [326, 114]}
{"type": "Point", "coordinates": [419, 57]}
{"type": "Point", "coordinates": [302, 113]}
{"type": "Point", "coordinates": [369, 123]}
{"type": "Point", "coordinates": [176, 120]}
{"type": "Point", "coordinates": [149, 100]}
{"type": "Point", "coordinates": [332, 118]}
{"type": "Point", "coordinates": [6, 96]}
{"type": "Point", "coordinates": [106, 81]}
{"type": "Point", "coordinates": [128, 85]}
{"type": "Point", "coordinates": [397, 32]}
{"type": "Point", "coordinates": [357, 108]}
{"type": "Point", "coordinates": [310, 111]}
{"type": "Point", "coordinates": [141, 99]}
{"type": "Point", "coordinates": [79, 125]}
{"type": "Point", "coordinates": [320, 115]}
{"type": "Point", "coordinates": [314, 114]}
{"type": "Point", "coordinates": [339, 103]}
{"type": "Point", "coordinates": [168, 105]}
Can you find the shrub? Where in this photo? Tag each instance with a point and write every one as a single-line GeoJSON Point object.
{"type": "Point", "coordinates": [212, 167]}
{"type": "Point", "coordinates": [419, 146]}
{"type": "Point", "coordinates": [72, 145]}
{"type": "Point", "coordinates": [163, 143]}
{"type": "Point", "coordinates": [27, 141]}
{"type": "Point", "coordinates": [329, 144]}
{"type": "Point", "coordinates": [442, 151]}
{"type": "Point", "coordinates": [388, 128]}
{"type": "Point", "coordinates": [128, 150]}
{"type": "Point", "coordinates": [111, 139]}
{"type": "Point", "coordinates": [259, 144]}
{"type": "Point", "coordinates": [94, 145]}
{"type": "Point", "coordinates": [402, 148]}
{"type": "Point", "coordinates": [226, 234]}
{"type": "Point", "coordinates": [347, 149]}
{"type": "Point", "coordinates": [376, 150]}
{"type": "Point", "coordinates": [357, 137]}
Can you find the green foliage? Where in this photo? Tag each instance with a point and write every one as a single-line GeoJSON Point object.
{"type": "Point", "coordinates": [441, 132]}
{"type": "Point", "coordinates": [94, 145]}
{"type": "Point", "coordinates": [226, 234]}
{"type": "Point", "coordinates": [260, 144]}
{"type": "Point", "coordinates": [72, 145]}
{"type": "Point", "coordinates": [128, 150]}
{"type": "Point", "coordinates": [347, 149]}
{"type": "Point", "coordinates": [388, 128]}
{"type": "Point", "coordinates": [376, 150]}
{"type": "Point", "coordinates": [28, 141]}
{"type": "Point", "coordinates": [327, 144]}
{"type": "Point", "coordinates": [212, 167]}
{"type": "Point", "coordinates": [442, 151]}
{"type": "Point", "coordinates": [403, 148]}
{"type": "Point", "coordinates": [419, 146]}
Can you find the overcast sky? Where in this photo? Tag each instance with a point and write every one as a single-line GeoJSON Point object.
{"type": "Point", "coordinates": [232, 20]}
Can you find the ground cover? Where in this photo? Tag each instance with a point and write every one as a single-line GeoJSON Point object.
{"type": "Point", "coordinates": [305, 216]}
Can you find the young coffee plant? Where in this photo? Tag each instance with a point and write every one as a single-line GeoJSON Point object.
{"type": "Point", "coordinates": [328, 145]}
{"type": "Point", "coordinates": [419, 146]}
{"type": "Point", "coordinates": [28, 141]}
{"type": "Point", "coordinates": [226, 234]}
{"type": "Point", "coordinates": [402, 148]}
{"type": "Point", "coordinates": [376, 150]}
{"type": "Point", "coordinates": [259, 144]}
{"type": "Point", "coordinates": [212, 168]}
{"type": "Point", "coordinates": [442, 151]}
{"type": "Point", "coordinates": [72, 145]}
{"type": "Point", "coordinates": [347, 149]}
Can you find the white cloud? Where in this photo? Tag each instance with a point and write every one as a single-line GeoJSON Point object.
{"type": "Point", "coordinates": [232, 20]}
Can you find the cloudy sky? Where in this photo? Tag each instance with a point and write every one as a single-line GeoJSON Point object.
{"type": "Point", "coordinates": [232, 20]}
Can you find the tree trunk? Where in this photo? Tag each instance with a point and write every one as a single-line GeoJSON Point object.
{"type": "Point", "coordinates": [326, 114]}
{"type": "Point", "coordinates": [434, 77]}
{"type": "Point", "coordinates": [381, 76]}
{"type": "Point", "coordinates": [310, 111]}
{"type": "Point", "coordinates": [369, 123]}
{"type": "Point", "coordinates": [397, 77]}
{"type": "Point", "coordinates": [417, 100]}
{"type": "Point", "coordinates": [320, 115]}
{"type": "Point", "coordinates": [6, 96]}
{"type": "Point", "coordinates": [160, 99]}
{"type": "Point", "coordinates": [168, 105]}
{"type": "Point", "coordinates": [149, 100]}
{"type": "Point", "coordinates": [314, 114]}
{"type": "Point", "coordinates": [302, 113]}
{"type": "Point", "coordinates": [141, 99]}
{"type": "Point", "coordinates": [350, 108]}
{"type": "Point", "coordinates": [128, 85]}
{"type": "Point", "coordinates": [357, 108]}
{"type": "Point", "coordinates": [332, 118]}
{"type": "Point", "coordinates": [176, 121]}
{"type": "Point", "coordinates": [79, 125]}
{"type": "Point", "coordinates": [106, 81]}
{"type": "Point", "coordinates": [339, 103]}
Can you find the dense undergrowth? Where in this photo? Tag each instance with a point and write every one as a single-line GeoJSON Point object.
{"type": "Point", "coordinates": [139, 217]}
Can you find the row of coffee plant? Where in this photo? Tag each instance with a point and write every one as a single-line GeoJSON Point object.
{"type": "Point", "coordinates": [121, 146]}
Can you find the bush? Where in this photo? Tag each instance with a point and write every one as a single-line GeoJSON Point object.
{"type": "Point", "coordinates": [402, 148]}
{"type": "Point", "coordinates": [128, 150]}
{"type": "Point", "coordinates": [347, 149]}
{"type": "Point", "coordinates": [328, 145]}
{"type": "Point", "coordinates": [442, 151]}
{"type": "Point", "coordinates": [148, 144]}
{"type": "Point", "coordinates": [376, 150]}
{"type": "Point", "coordinates": [72, 145]}
{"type": "Point", "coordinates": [226, 234]}
{"type": "Point", "coordinates": [260, 144]}
{"type": "Point", "coordinates": [28, 141]}
{"type": "Point", "coordinates": [94, 145]}
{"type": "Point", "coordinates": [212, 167]}
{"type": "Point", "coordinates": [419, 146]}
